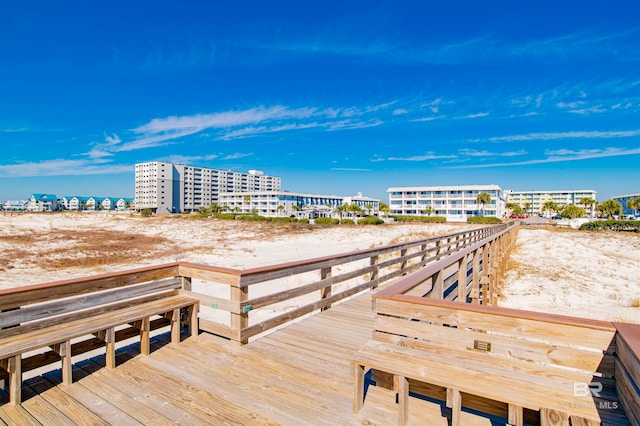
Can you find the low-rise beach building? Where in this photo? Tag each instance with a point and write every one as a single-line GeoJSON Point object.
{"type": "Point", "coordinates": [176, 188]}
{"type": "Point", "coordinates": [533, 202]}
{"type": "Point", "coordinates": [456, 203]}
{"type": "Point", "coordinates": [42, 203]}
{"type": "Point", "coordinates": [300, 205]}
{"type": "Point", "coordinates": [624, 199]}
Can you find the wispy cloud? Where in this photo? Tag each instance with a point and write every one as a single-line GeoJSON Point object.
{"type": "Point", "coordinates": [545, 136]}
{"type": "Point", "coordinates": [348, 169]}
{"type": "Point", "coordinates": [61, 167]}
{"type": "Point", "coordinates": [485, 153]}
{"type": "Point", "coordinates": [426, 157]}
{"type": "Point", "coordinates": [470, 116]}
{"type": "Point", "coordinates": [189, 159]}
{"type": "Point", "coordinates": [237, 155]}
{"type": "Point", "coordinates": [563, 155]}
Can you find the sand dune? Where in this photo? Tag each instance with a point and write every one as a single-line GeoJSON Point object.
{"type": "Point", "coordinates": [593, 275]}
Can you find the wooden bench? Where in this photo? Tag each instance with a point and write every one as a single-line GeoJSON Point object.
{"type": "Point", "coordinates": [92, 313]}
{"type": "Point", "coordinates": [540, 362]}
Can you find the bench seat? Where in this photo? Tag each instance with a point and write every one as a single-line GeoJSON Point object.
{"type": "Point", "coordinates": [100, 322]}
{"type": "Point", "coordinates": [525, 360]}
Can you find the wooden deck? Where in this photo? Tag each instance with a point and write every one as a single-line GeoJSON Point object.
{"type": "Point", "coordinates": [297, 375]}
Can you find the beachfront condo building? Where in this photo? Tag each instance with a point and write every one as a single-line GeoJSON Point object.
{"type": "Point", "coordinates": [533, 202]}
{"type": "Point", "coordinates": [284, 203]}
{"type": "Point", "coordinates": [624, 199]}
{"type": "Point", "coordinates": [455, 203]}
{"type": "Point", "coordinates": [177, 188]}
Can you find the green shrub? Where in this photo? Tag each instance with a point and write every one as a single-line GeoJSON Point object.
{"type": "Point", "coordinates": [612, 225]}
{"type": "Point", "coordinates": [427, 219]}
{"type": "Point", "coordinates": [303, 220]}
{"type": "Point", "coordinates": [146, 213]}
{"type": "Point", "coordinates": [347, 222]}
{"type": "Point", "coordinates": [282, 219]}
{"type": "Point", "coordinates": [372, 220]}
{"type": "Point", "coordinates": [484, 219]}
{"type": "Point", "coordinates": [227, 216]}
{"type": "Point", "coordinates": [252, 217]}
{"type": "Point", "coordinates": [327, 221]}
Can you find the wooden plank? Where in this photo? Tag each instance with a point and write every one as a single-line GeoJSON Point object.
{"type": "Point", "coordinates": [84, 301]}
{"type": "Point", "coordinates": [511, 347]}
{"type": "Point", "coordinates": [456, 407]}
{"type": "Point", "coordinates": [16, 297]}
{"type": "Point", "coordinates": [66, 405]}
{"type": "Point", "coordinates": [438, 369]}
{"type": "Point", "coordinates": [567, 331]}
{"type": "Point", "coordinates": [209, 273]}
{"type": "Point", "coordinates": [402, 387]}
{"type": "Point", "coordinates": [16, 415]}
{"type": "Point", "coordinates": [628, 349]}
{"type": "Point", "coordinates": [553, 418]}
{"type": "Point", "coordinates": [627, 392]}
{"type": "Point", "coordinates": [358, 387]}
{"type": "Point", "coordinates": [516, 415]}
{"type": "Point", "coordinates": [14, 368]}
{"type": "Point", "coordinates": [41, 338]}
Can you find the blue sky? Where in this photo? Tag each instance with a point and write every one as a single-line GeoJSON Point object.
{"type": "Point", "coordinates": [333, 97]}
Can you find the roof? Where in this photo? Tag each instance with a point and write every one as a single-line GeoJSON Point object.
{"type": "Point", "coordinates": [45, 197]}
{"type": "Point", "coordinates": [446, 188]}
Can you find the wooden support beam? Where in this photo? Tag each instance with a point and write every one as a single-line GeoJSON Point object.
{"type": "Point", "coordinates": [325, 292]}
{"type": "Point", "coordinates": [462, 280]}
{"type": "Point", "coordinates": [437, 289]}
{"type": "Point", "coordinates": [145, 336]}
{"type": "Point", "coordinates": [175, 326]}
{"type": "Point", "coordinates": [374, 274]}
{"type": "Point", "coordinates": [110, 347]}
{"type": "Point", "coordinates": [358, 388]}
{"type": "Point", "coordinates": [550, 417]}
{"type": "Point", "coordinates": [239, 321]}
{"type": "Point", "coordinates": [456, 406]}
{"type": "Point", "coordinates": [475, 278]}
{"type": "Point", "coordinates": [64, 350]}
{"type": "Point", "coordinates": [401, 386]}
{"type": "Point", "coordinates": [194, 326]}
{"type": "Point", "coordinates": [515, 415]}
{"type": "Point", "coordinates": [14, 367]}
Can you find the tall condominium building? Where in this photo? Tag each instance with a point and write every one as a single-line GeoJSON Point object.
{"type": "Point", "coordinates": [533, 201]}
{"type": "Point", "coordinates": [176, 188]}
{"type": "Point", "coordinates": [283, 203]}
{"type": "Point", "coordinates": [456, 203]}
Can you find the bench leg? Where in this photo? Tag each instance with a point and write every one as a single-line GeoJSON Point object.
{"type": "Point", "coordinates": [454, 401]}
{"type": "Point", "coordinates": [553, 418]}
{"type": "Point", "coordinates": [145, 336]}
{"type": "Point", "coordinates": [402, 387]}
{"type": "Point", "coordinates": [110, 340]}
{"type": "Point", "coordinates": [516, 416]}
{"type": "Point", "coordinates": [358, 387]}
{"type": "Point", "coordinates": [175, 326]}
{"type": "Point", "coordinates": [64, 350]}
{"type": "Point", "coordinates": [14, 368]}
{"type": "Point", "coordinates": [193, 319]}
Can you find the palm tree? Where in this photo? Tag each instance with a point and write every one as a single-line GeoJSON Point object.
{"type": "Point", "coordinates": [368, 208]}
{"type": "Point", "coordinates": [527, 207]}
{"type": "Point", "coordinates": [551, 207]}
{"type": "Point", "coordinates": [280, 209]}
{"type": "Point", "coordinates": [384, 208]}
{"type": "Point", "coordinates": [428, 210]}
{"type": "Point", "coordinates": [609, 208]}
{"type": "Point", "coordinates": [354, 209]}
{"type": "Point", "coordinates": [634, 204]}
{"type": "Point", "coordinates": [510, 207]}
{"type": "Point", "coordinates": [586, 201]}
{"type": "Point", "coordinates": [340, 210]}
{"type": "Point", "coordinates": [482, 199]}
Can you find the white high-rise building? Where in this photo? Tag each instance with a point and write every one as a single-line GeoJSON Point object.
{"type": "Point", "coordinates": [533, 201]}
{"type": "Point", "coordinates": [176, 188]}
{"type": "Point", "coordinates": [456, 203]}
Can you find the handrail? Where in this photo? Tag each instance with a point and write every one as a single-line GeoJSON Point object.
{"type": "Point", "coordinates": [241, 303]}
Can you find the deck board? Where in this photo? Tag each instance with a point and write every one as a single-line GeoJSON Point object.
{"type": "Point", "coordinates": [300, 374]}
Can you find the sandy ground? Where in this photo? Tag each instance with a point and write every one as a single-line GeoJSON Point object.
{"type": "Point", "coordinates": [594, 275]}
{"type": "Point", "coordinates": [585, 274]}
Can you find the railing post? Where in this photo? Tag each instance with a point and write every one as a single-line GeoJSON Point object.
{"type": "Point", "coordinates": [423, 249]}
{"type": "Point", "coordinates": [240, 321]}
{"type": "Point", "coordinates": [403, 265]}
{"type": "Point", "coordinates": [437, 284]}
{"type": "Point", "coordinates": [185, 282]}
{"type": "Point", "coordinates": [374, 274]}
{"type": "Point", "coordinates": [462, 279]}
{"type": "Point", "coordinates": [475, 278]}
{"type": "Point", "coordinates": [326, 291]}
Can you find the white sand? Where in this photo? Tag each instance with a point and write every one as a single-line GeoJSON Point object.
{"type": "Point", "coordinates": [594, 275]}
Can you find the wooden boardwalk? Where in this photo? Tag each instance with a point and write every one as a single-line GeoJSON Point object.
{"type": "Point", "coordinates": [297, 375]}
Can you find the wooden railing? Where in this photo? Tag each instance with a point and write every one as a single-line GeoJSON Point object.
{"type": "Point", "coordinates": [474, 274]}
{"type": "Point", "coordinates": [242, 304]}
